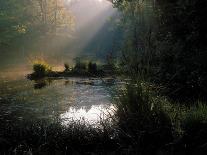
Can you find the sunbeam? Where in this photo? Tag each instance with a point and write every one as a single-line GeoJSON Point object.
{"type": "Point", "coordinates": [90, 17]}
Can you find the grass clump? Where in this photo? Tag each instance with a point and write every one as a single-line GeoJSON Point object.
{"type": "Point", "coordinates": [194, 126]}
{"type": "Point", "coordinates": [147, 126]}
{"type": "Point", "coordinates": [45, 138]}
{"type": "Point", "coordinates": [41, 68]}
{"type": "Point", "coordinates": [197, 113]}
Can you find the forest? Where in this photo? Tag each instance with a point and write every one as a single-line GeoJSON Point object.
{"type": "Point", "coordinates": [149, 56]}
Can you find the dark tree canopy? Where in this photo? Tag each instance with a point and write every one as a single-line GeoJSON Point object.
{"type": "Point", "coordinates": [167, 42]}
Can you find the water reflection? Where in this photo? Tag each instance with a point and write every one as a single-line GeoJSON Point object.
{"type": "Point", "coordinates": [94, 114]}
{"type": "Point", "coordinates": [68, 82]}
{"type": "Point", "coordinates": [51, 99]}
{"type": "Point", "coordinates": [39, 84]}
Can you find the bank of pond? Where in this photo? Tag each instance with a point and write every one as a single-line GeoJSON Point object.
{"type": "Point", "coordinates": [41, 69]}
{"type": "Point", "coordinates": [142, 123]}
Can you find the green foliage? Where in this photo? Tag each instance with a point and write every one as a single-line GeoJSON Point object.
{"type": "Point", "coordinates": [181, 42]}
{"type": "Point", "coordinates": [143, 118]}
{"type": "Point", "coordinates": [151, 122]}
{"type": "Point", "coordinates": [79, 65]}
{"type": "Point", "coordinates": [194, 126]}
{"type": "Point", "coordinates": [12, 21]}
{"type": "Point", "coordinates": [138, 48]}
{"type": "Point", "coordinates": [165, 42]}
{"type": "Point", "coordinates": [41, 68]}
{"type": "Point", "coordinates": [19, 18]}
{"type": "Point", "coordinates": [196, 114]}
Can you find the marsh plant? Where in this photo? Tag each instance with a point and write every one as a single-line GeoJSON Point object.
{"type": "Point", "coordinates": [144, 121]}
{"type": "Point", "coordinates": [67, 67]}
{"type": "Point", "coordinates": [41, 68]}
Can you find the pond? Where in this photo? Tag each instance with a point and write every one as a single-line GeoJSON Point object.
{"type": "Point", "coordinates": [66, 99]}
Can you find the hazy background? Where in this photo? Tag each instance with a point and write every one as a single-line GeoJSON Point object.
{"type": "Point", "coordinates": [92, 36]}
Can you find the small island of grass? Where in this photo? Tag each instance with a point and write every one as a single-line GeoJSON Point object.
{"type": "Point", "coordinates": [41, 69]}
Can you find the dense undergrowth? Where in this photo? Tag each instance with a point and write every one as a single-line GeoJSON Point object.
{"type": "Point", "coordinates": [42, 69]}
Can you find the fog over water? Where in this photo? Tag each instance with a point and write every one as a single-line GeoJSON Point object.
{"type": "Point", "coordinates": [90, 36]}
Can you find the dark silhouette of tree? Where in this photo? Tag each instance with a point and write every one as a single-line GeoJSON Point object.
{"type": "Point", "coordinates": [92, 67]}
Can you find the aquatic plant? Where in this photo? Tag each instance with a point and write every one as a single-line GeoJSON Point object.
{"type": "Point", "coordinates": [41, 68]}
{"type": "Point", "coordinates": [67, 67]}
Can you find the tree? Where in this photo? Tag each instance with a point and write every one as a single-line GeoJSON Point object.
{"type": "Point", "coordinates": [173, 49]}
{"type": "Point", "coordinates": [22, 17]}
{"type": "Point", "coordinates": [181, 40]}
{"type": "Point", "coordinates": [92, 67]}
{"type": "Point", "coordinates": [14, 19]}
{"type": "Point", "coordinates": [138, 25]}
{"type": "Point", "coordinates": [55, 15]}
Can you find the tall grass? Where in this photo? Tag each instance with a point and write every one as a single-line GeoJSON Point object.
{"type": "Point", "coordinates": [44, 138]}
{"type": "Point", "coordinates": [147, 125]}
{"type": "Point", "coordinates": [194, 126]}
{"type": "Point", "coordinates": [196, 113]}
{"type": "Point", "coordinates": [41, 68]}
{"type": "Point", "coordinates": [150, 123]}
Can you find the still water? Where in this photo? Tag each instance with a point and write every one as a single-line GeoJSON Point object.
{"type": "Point", "coordinates": [64, 99]}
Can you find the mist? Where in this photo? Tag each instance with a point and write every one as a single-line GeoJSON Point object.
{"type": "Point", "coordinates": [90, 36]}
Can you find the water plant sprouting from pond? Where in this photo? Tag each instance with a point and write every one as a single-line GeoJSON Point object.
{"type": "Point", "coordinates": [41, 68]}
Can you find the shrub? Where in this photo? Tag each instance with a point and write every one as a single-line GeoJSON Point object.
{"type": "Point", "coordinates": [196, 113]}
{"type": "Point", "coordinates": [195, 129]}
{"type": "Point", "coordinates": [92, 67]}
{"type": "Point", "coordinates": [147, 125]}
{"type": "Point", "coordinates": [67, 67]}
{"type": "Point", "coordinates": [41, 68]}
{"type": "Point", "coordinates": [80, 66]}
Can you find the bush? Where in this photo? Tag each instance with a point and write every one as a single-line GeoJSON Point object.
{"type": "Point", "coordinates": [196, 114]}
{"type": "Point", "coordinates": [41, 68]}
{"type": "Point", "coordinates": [147, 125]}
{"type": "Point", "coordinates": [67, 67]}
{"type": "Point", "coordinates": [92, 67]}
{"type": "Point", "coordinates": [80, 66]}
{"type": "Point", "coordinates": [195, 129]}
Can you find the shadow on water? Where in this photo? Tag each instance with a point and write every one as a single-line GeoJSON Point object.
{"type": "Point", "coordinates": [40, 84]}
{"type": "Point", "coordinates": [68, 82]}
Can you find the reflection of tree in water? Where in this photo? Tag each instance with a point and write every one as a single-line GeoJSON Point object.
{"type": "Point", "coordinates": [39, 84]}
{"type": "Point", "coordinates": [69, 82]}
{"type": "Point", "coordinates": [50, 102]}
